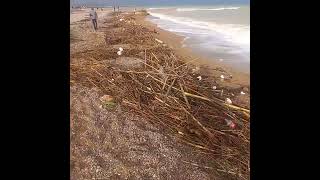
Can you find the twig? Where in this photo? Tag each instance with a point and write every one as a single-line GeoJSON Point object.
{"type": "Point", "coordinates": [184, 96]}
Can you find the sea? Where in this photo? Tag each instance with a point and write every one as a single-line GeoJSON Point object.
{"type": "Point", "coordinates": [216, 32]}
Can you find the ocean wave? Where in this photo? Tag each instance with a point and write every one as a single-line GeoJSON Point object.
{"type": "Point", "coordinates": [158, 8]}
{"type": "Point", "coordinates": [206, 9]}
{"type": "Point", "coordinates": [236, 33]}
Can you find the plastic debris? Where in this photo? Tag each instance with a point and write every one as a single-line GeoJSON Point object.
{"type": "Point", "coordinates": [242, 93]}
{"type": "Point", "coordinates": [121, 19]}
{"type": "Point", "coordinates": [149, 88]}
{"type": "Point", "coordinates": [230, 123]}
{"type": "Point", "coordinates": [107, 101]}
{"type": "Point", "coordinates": [195, 69]}
{"type": "Point", "coordinates": [180, 132]}
{"type": "Point", "coordinates": [119, 53]}
{"type": "Point", "coordinates": [120, 48]}
{"type": "Point", "coordinates": [222, 76]}
{"type": "Point", "coordinates": [199, 78]}
{"type": "Point", "coordinates": [228, 101]}
{"type": "Point", "coordinates": [214, 87]}
{"type": "Point", "coordinates": [159, 41]}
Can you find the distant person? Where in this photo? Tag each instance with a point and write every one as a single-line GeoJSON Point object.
{"type": "Point", "coordinates": [118, 8]}
{"type": "Point", "coordinates": [94, 17]}
{"type": "Point", "coordinates": [134, 11]}
{"type": "Point", "coordinates": [114, 8]}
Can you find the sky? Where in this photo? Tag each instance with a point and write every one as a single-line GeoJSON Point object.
{"type": "Point", "coordinates": [156, 2]}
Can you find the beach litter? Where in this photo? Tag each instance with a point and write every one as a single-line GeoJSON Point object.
{"type": "Point", "coordinates": [107, 101]}
{"type": "Point", "coordinates": [170, 97]}
{"type": "Point", "coordinates": [242, 93]}
{"type": "Point", "coordinates": [230, 123]}
{"type": "Point", "coordinates": [228, 101]}
{"type": "Point", "coordinates": [159, 41]}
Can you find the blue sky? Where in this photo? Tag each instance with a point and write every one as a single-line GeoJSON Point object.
{"type": "Point", "coordinates": [158, 2]}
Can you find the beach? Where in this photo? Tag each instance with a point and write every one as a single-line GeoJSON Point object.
{"type": "Point", "coordinates": [144, 106]}
{"type": "Point", "coordinates": [175, 41]}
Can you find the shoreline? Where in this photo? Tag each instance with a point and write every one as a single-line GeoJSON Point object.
{"type": "Point", "coordinates": [124, 106]}
{"type": "Point", "coordinates": [176, 41]}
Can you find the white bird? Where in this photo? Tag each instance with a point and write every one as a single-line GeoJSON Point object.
{"type": "Point", "coordinates": [214, 87]}
{"type": "Point", "coordinates": [120, 48]}
{"type": "Point", "coordinates": [119, 53]}
{"type": "Point", "coordinates": [228, 101]}
{"type": "Point", "coordinates": [242, 93]}
{"type": "Point", "coordinates": [199, 78]}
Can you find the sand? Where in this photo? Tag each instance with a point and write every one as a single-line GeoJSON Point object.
{"type": "Point", "coordinates": [113, 143]}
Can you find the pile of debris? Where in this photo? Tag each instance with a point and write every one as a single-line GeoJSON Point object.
{"type": "Point", "coordinates": [171, 93]}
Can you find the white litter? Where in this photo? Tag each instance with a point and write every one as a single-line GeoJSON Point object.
{"type": "Point", "coordinates": [230, 123]}
{"type": "Point", "coordinates": [120, 48]}
{"type": "Point", "coordinates": [112, 79]}
{"type": "Point", "coordinates": [195, 69]}
{"type": "Point", "coordinates": [222, 76]}
{"type": "Point", "coordinates": [159, 41]}
{"type": "Point", "coordinates": [121, 19]}
{"type": "Point", "coordinates": [214, 87]}
{"type": "Point", "coordinates": [119, 53]}
{"type": "Point", "coordinates": [149, 88]}
{"type": "Point", "coordinates": [180, 132]}
{"type": "Point", "coordinates": [228, 101]}
{"type": "Point", "coordinates": [199, 78]}
{"type": "Point", "coordinates": [242, 93]}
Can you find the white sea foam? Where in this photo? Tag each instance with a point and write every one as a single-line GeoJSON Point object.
{"type": "Point", "coordinates": [235, 33]}
{"type": "Point", "coordinates": [207, 9]}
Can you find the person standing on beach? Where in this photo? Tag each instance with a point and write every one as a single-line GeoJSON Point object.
{"type": "Point", "coordinates": [114, 8]}
{"type": "Point", "coordinates": [118, 8]}
{"type": "Point", "coordinates": [94, 17]}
